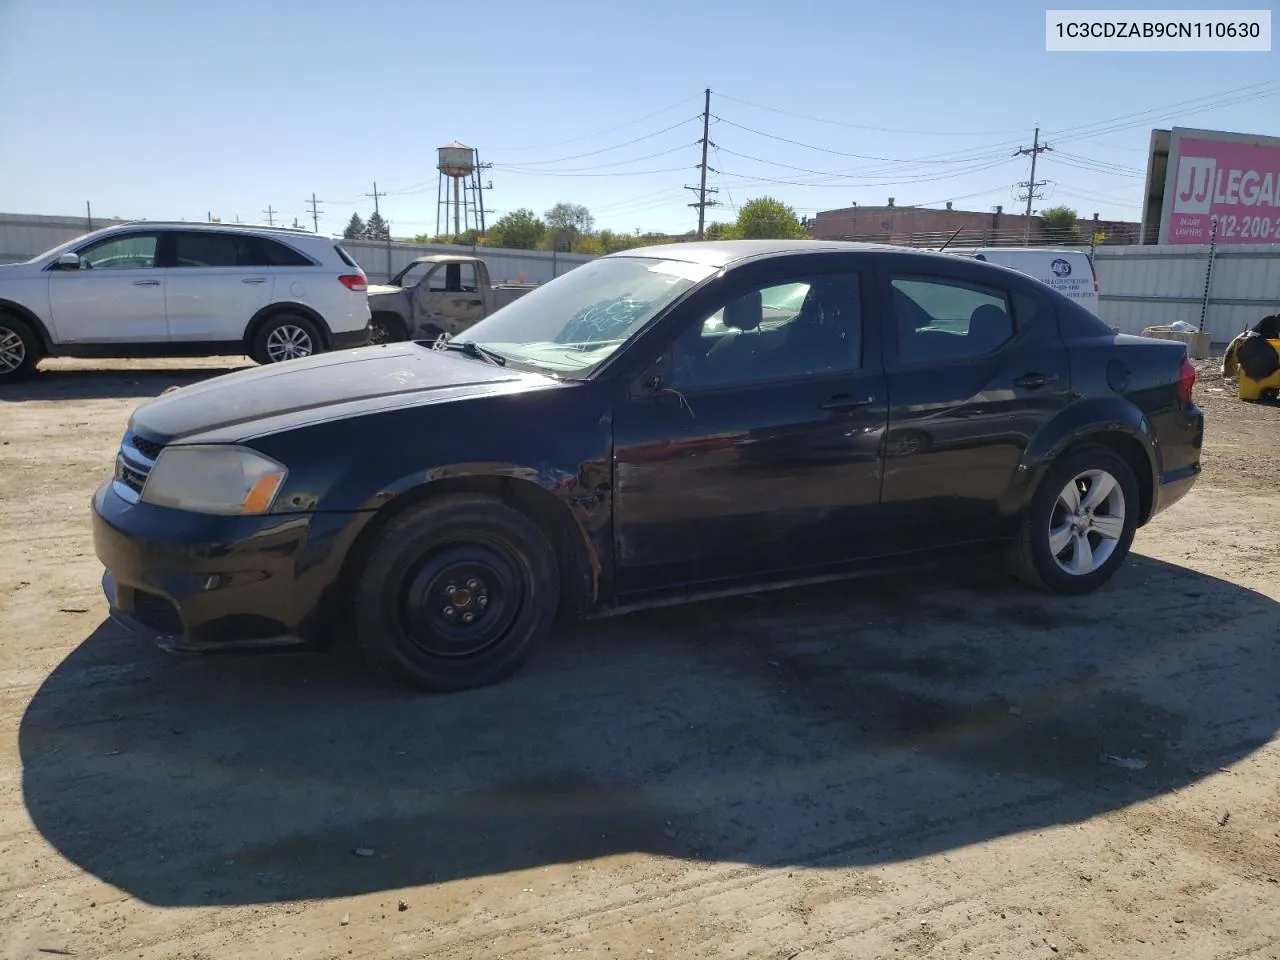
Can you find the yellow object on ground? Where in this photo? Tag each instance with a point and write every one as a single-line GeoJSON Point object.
{"type": "Point", "coordinates": [1250, 389]}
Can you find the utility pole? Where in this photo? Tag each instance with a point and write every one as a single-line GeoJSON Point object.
{"type": "Point", "coordinates": [701, 190]}
{"type": "Point", "coordinates": [271, 216]}
{"type": "Point", "coordinates": [1031, 183]}
{"type": "Point", "coordinates": [375, 196]}
{"type": "Point", "coordinates": [315, 211]}
{"type": "Point", "coordinates": [88, 215]}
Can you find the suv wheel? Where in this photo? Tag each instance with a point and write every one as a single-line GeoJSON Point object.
{"type": "Point", "coordinates": [1080, 523]}
{"type": "Point", "coordinates": [19, 349]}
{"type": "Point", "coordinates": [387, 328]}
{"type": "Point", "coordinates": [455, 593]}
{"type": "Point", "coordinates": [286, 336]}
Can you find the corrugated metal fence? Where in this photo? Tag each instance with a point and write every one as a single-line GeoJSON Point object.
{"type": "Point", "coordinates": [1231, 290]}
{"type": "Point", "coordinates": [1230, 287]}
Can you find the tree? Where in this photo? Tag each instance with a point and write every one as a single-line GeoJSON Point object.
{"type": "Point", "coordinates": [720, 231]}
{"type": "Point", "coordinates": [355, 228]}
{"type": "Point", "coordinates": [1060, 224]}
{"type": "Point", "coordinates": [517, 230]}
{"type": "Point", "coordinates": [376, 228]}
{"type": "Point", "coordinates": [769, 219]}
{"type": "Point", "coordinates": [570, 218]}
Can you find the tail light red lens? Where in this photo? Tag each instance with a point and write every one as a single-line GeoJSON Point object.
{"type": "Point", "coordinates": [355, 282]}
{"type": "Point", "coordinates": [1186, 380]}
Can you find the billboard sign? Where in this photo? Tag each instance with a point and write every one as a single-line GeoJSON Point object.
{"type": "Point", "coordinates": [1229, 178]}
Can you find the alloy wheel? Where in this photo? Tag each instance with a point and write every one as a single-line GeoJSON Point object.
{"type": "Point", "coordinates": [1087, 522]}
{"type": "Point", "coordinates": [13, 352]}
{"type": "Point", "coordinates": [289, 342]}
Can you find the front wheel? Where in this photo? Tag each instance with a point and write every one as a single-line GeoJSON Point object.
{"type": "Point", "coordinates": [287, 336]}
{"type": "Point", "coordinates": [1079, 526]}
{"type": "Point", "coordinates": [455, 593]}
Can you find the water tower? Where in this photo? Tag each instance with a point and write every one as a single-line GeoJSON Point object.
{"type": "Point", "coordinates": [458, 188]}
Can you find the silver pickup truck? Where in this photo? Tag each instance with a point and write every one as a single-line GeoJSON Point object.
{"type": "Point", "coordinates": [437, 294]}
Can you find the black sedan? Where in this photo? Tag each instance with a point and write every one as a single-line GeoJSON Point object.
{"type": "Point", "coordinates": [660, 425]}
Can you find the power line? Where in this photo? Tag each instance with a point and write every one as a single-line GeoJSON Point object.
{"type": "Point", "coordinates": [519, 168]}
{"type": "Point", "coordinates": [861, 126]}
{"type": "Point", "coordinates": [598, 133]}
{"type": "Point", "coordinates": [616, 146]}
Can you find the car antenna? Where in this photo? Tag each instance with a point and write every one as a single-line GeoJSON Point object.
{"type": "Point", "coordinates": [949, 239]}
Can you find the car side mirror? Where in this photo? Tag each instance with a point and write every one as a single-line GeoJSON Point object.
{"type": "Point", "coordinates": [653, 380]}
{"type": "Point", "coordinates": [68, 261]}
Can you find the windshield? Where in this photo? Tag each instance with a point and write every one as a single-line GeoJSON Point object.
{"type": "Point", "coordinates": [578, 320]}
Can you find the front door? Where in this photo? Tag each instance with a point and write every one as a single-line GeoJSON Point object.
{"type": "Point", "coordinates": [117, 295]}
{"type": "Point", "coordinates": [761, 453]}
{"type": "Point", "coordinates": [448, 298]}
{"type": "Point", "coordinates": [215, 283]}
{"type": "Point", "coordinates": [976, 369]}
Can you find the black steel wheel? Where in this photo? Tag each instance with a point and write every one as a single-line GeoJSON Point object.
{"type": "Point", "coordinates": [455, 593]}
{"type": "Point", "coordinates": [387, 328]}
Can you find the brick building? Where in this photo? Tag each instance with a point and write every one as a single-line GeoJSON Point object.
{"type": "Point", "coordinates": [926, 226]}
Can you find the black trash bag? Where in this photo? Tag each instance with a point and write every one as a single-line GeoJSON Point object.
{"type": "Point", "coordinates": [1257, 358]}
{"type": "Point", "coordinates": [1268, 328]}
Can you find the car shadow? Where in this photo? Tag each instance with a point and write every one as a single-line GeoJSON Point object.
{"type": "Point", "coordinates": [846, 725]}
{"type": "Point", "coordinates": [111, 383]}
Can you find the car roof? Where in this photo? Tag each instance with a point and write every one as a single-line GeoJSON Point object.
{"type": "Point", "coordinates": [201, 225]}
{"type": "Point", "coordinates": [722, 253]}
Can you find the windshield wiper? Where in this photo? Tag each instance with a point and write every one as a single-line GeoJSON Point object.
{"type": "Point", "coordinates": [472, 349]}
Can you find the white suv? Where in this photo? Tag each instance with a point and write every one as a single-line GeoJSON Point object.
{"type": "Point", "coordinates": [149, 289]}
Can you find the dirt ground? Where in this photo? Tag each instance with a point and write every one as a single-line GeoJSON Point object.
{"type": "Point", "coordinates": [944, 767]}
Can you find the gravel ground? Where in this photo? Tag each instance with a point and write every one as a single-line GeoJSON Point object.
{"type": "Point", "coordinates": [946, 766]}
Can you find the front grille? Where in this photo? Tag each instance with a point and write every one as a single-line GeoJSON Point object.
{"type": "Point", "coordinates": [133, 465]}
{"type": "Point", "coordinates": [156, 612]}
{"type": "Point", "coordinates": [148, 448]}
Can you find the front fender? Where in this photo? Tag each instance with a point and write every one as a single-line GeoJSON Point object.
{"type": "Point", "coordinates": [1082, 420]}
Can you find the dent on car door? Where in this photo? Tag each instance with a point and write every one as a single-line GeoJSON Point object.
{"type": "Point", "coordinates": [976, 369]}
{"type": "Point", "coordinates": [116, 296]}
{"type": "Point", "coordinates": [760, 453]}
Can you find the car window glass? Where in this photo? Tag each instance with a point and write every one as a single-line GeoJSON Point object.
{"type": "Point", "coordinates": [414, 274]}
{"type": "Point", "coordinates": [206, 250]}
{"type": "Point", "coordinates": [261, 252]}
{"type": "Point", "coordinates": [454, 278]}
{"type": "Point", "coordinates": [940, 320]}
{"type": "Point", "coordinates": [803, 327]}
{"type": "Point", "coordinates": [134, 252]}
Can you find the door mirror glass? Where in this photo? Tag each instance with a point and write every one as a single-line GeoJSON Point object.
{"type": "Point", "coordinates": [68, 261]}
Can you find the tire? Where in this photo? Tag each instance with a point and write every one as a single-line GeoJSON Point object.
{"type": "Point", "coordinates": [411, 625]}
{"type": "Point", "coordinates": [1108, 529]}
{"type": "Point", "coordinates": [285, 336]}
{"type": "Point", "coordinates": [387, 328]}
{"type": "Point", "coordinates": [20, 349]}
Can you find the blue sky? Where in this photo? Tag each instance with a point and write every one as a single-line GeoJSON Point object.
{"type": "Point", "coordinates": [173, 108]}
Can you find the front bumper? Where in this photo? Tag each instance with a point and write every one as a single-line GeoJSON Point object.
{"type": "Point", "coordinates": [192, 582]}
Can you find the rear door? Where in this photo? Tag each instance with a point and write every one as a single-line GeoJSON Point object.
{"type": "Point", "coordinates": [976, 367]}
{"type": "Point", "coordinates": [215, 282]}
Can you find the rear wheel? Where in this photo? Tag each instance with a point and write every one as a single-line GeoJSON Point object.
{"type": "Point", "coordinates": [286, 336]}
{"type": "Point", "coordinates": [455, 593]}
{"type": "Point", "coordinates": [1079, 526]}
{"type": "Point", "coordinates": [387, 328]}
{"type": "Point", "coordinates": [19, 349]}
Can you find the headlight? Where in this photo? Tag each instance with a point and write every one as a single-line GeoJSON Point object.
{"type": "Point", "coordinates": [225, 480]}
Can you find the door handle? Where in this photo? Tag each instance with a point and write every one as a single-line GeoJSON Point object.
{"type": "Point", "coordinates": [146, 283]}
{"type": "Point", "coordinates": [844, 401]}
{"type": "Point", "coordinates": [1034, 381]}
{"type": "Point", "coordinates": [254, 280]}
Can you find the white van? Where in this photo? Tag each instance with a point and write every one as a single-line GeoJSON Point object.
{"type": "Point", "coordinates": [1070, 272]}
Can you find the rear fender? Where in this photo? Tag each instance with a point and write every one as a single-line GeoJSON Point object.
{"type": "Point", "coordinates": [1096, 418]}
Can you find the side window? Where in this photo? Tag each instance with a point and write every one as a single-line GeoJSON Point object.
{"type": "Point", "coordinates": [205, 249]}
{"type": "Point", "coordinates": [413, 276]}
{"type": "Point", "coordinates": [133, 252]}
{"type": "Point", "coordinates": [454, 278]}
{"type": "Point", "coordinates": [784, 331]}
{"type": "Point", "coordinates": [261, 252]}
{"type": "Point", "coordinates": [939, 320]}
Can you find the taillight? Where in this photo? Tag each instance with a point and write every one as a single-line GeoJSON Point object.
{"type": "Point", "coordinates": [1186, 380]}
{"type": "Point", "coordinates": [355, 282]}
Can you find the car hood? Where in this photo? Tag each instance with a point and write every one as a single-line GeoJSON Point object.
{"type": "Point", "coordinates": [262, 400]}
